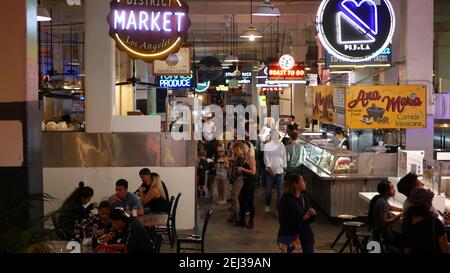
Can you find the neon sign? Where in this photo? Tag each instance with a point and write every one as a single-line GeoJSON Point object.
{"type": "Point", "coordinates": [174, 82]}
{"type": "Point", "coordinates": [287, 62]}
{"type": "Point", "coordinates": [149, 29]}
{"type": "Point", "coordinates": [356, 31]}
{"type": "Point", "coordinates": [202, 87]}
{"type": "Point", "coordinates": [296, 74]}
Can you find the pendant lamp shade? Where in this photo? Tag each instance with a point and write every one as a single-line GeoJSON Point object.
{"type": "Point", "coordinates": [267, 9]}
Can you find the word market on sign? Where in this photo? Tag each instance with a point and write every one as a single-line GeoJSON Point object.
{"type": "Point", "coordinates": [148, 21]}
{"type": "Point", "coordinates": [149, 29]}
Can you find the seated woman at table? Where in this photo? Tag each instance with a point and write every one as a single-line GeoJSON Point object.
{"type": "Point", "coordinates": [380, 219]}
{"type": "Point", "coordinates": [102, 222]}
{"type": "Point", "coordinates": [131, 233]}
{"type": "Point", "coordinates": [422, 231]}
{"type": "Point", "coordinates": [153, 195]}
{"type": "Point", "coordinates": [73, 210]}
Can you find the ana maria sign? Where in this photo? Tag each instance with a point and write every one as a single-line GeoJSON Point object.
{"type": "Point", "coordinates": [149, 29]}
{"type": "Point", "coordinates": [356, 31]}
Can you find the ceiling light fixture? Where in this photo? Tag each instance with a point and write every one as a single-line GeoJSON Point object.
{"type": "Point", "coordinates": [267, 9]}
{"type": "Point", "coordinates": [43, 15]}
{"type": "Point", "coordinates": [251, 33]}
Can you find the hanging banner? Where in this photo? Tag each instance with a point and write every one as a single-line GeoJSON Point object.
{"type": "Point", "coordinates": [323, 109]}
{"type": "Point", "coordinates": [209, 69]}
{"type": "Point", "coordinates": [386, 107]}
{"type": "Point", "coordinates": [177, 64]}
{"type": "Point", "coordinates": [149, 30]}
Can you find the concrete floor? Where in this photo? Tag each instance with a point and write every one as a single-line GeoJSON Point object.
{"type": "Point", "coordinates": [223, 237]}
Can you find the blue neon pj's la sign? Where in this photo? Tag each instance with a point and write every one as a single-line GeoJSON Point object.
{"type": "Point", "coordinates": [355, 31]}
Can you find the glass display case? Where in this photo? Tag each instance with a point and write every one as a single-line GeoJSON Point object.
{"type": "Point", "coordinates": [332, 160]}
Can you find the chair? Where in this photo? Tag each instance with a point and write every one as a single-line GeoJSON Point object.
{"type": "Point", "coordinates": [157, 242]}
{"type": "Point", "coordinates": [173, 219]}
{"type": "Point", "coordinates": [343, 218]}
{"type": "Point", "coordinates": [352, 239]}
{"type": "Point", "coordinates": [194, 239]}
{"type": "Point", "coordinates": [167, 230]}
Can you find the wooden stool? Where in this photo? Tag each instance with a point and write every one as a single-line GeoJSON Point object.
{"type": "Point", "coordinates": [343, 218]}
{"type": "Point", "coordinates": [352, 239]}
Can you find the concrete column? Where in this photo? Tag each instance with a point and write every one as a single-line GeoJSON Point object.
{"type": "Point", "coordinates": [100, 64]}
{"type": "Point", "coordinates": [20, 116]}
{"type": "Point", "coordinates": [442, 61]}
{"type": "Point", "coordinates": [391, 76]}
{"type": "Point", "coordinates": [417, 47]}
{"type": "Point", "coordinates": [298, 90]}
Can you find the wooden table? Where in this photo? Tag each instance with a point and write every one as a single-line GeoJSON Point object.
{"type": "Point", "coordinates": [154, 220]}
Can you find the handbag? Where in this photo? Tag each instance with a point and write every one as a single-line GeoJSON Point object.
{"type": "Point", "coordinates": [290, 244]}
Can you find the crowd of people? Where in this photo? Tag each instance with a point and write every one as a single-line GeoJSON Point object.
{"type": "Point", "coordinates": [116, 220]}
{"type": "Point", "coordinates": [272, 161]}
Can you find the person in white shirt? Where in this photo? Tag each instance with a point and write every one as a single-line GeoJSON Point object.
{"type": "Point", "coordinates": [275, 161]}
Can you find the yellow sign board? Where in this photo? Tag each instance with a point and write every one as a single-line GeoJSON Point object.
{"type": "Point", "coordinates": [386, 107]}
{"type": "Point", "coordinates": [323, 104]}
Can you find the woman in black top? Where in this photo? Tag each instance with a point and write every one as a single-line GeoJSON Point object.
{"type": "Point", "coordinates": [295, 217]}
{"type": "Point", "coordinates": [153, 196]}
{"type": "Point", "coordinates": [247, 194]}
{"type": "Point", "coordinates": [422, 231]}
{"type": "Point", "coordinates": [73, 210]}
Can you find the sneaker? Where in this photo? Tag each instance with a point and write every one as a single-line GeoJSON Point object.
{"type": "Point", "coordinates": [276, 213]}
{"type": "Point", "coordinates": [222, 203]}
{"type": "Point", "coordinates": [267, 209]}
{"type": "Point", "coordinates": [250, 224]}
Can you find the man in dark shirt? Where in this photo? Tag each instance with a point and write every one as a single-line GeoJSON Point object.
{"type": "Point", "coordinates": [132, 232]}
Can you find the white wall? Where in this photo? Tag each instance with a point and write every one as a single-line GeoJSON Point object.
{"type": "Point", "coordinates": [137, 124]}
{"type": "Point", "coordinates": [60, 182]}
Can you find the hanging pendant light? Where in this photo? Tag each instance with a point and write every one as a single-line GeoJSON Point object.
{"type": "Point", "coordinates": [267, 9]}
{"type": "Point", "coordinates": [251, 33]}
{"type": "Point", "coordinates": [42, 14]}
{"type": "Point", "coordinates": [232, 58]}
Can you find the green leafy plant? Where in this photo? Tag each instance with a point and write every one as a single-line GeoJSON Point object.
{"type": "Point", "coordinates": [19, 234]}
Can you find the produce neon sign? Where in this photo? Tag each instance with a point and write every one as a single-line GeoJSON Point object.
{"type": "Point", "coordinates": [149, 29]}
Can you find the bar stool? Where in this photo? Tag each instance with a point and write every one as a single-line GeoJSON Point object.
{"type": "Point", "coordinates": [352, 238]}
{"type": "Point", "coordinates": [366, 238]}
{"type": "Point", "coordinates": [344, 218]}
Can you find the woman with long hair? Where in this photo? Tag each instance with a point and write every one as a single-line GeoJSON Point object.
{"type": "Point", "coordinates": [247, 194]}
{"type": "Point", "coordinates": [295, 217]}
{"type": "Point", "coordinates": [422, 231]}
{"type": "Point", "coordinates": [73, 210]}
{"type": "Point", "coordinates": [380, 218]}
{"type": "Point", "coordinates": [153, 195]}
{"type": "Point", "coordinates": [237, 179]}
